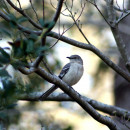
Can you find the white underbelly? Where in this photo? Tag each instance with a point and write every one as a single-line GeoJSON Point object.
{"type": "Point", "coordinates": [74, 74]}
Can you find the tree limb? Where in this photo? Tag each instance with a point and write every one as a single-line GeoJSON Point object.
{"type": "Point", "coordinates": [70, 41]}
{"type": "Point", "coordinates": [111, 110]}
{"type": "Point", "coordinates": [119, 41]}
{"type": "Point", "coordinates": [94, 50]}
{"type": "Point", "coordinates": [78, 98]}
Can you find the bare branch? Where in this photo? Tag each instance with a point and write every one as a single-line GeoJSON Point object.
{"type": "Point", "coordinates": [19, 4]}
{"type": "Point", "coordinates": [75, 21]}
{"type": "Point", "coordinates": [57, 14]}
{"type": "Point", "coordinates": [27, 71]}
{"type": "Point", "coordinates": [43, 4]}
{"type": "Point", "coordinates": [77, 44]}
{"type": "Point", "coordinates": [120, 10]}
{"type": "Point", "coordinates": [119, 41]}
{"type": "Point", "coordinates": [111, 110]}
{"type": "Point", "coordinates": [121, 46]}
{"type": "Point", "coordinates": [78, 98]}
{"type": "Point", "coordinates": [46, 65]}
{"type": "Point", "coordinates": [111, 13]}
{"type": "Point", "coordinates": [94, 50]}
{"type": "Point", "coordinates": [123, 17]}
{"type": "Point", "coordinates": [99, 11]}
{"type": "Point", "coordinates": [34, 10]}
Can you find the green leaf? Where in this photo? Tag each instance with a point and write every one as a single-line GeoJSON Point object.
{"type": "Point", "coordinates": [4, 57]}
{"type": "Point", "coordinates": [47, 24]}
{"type": "Point", "coordinates": [9, 87]}
{"type": "Point", "coordinates": [4, 73]}
{"type": "Point", "coordinates": [13, 24]}
{"type": "Point", "coordinates": [40, 50]}
{"type": "Point", "coordinates": [18, 64]}
{"type": "Point", "coordinates": [1, 65]}
{"type": "Point", "coordinates": [33, 37]}
{"type": "Point", "coordinates": [19, 52]}
{"type": "Point", "coordinates": [4, 53]}
{"type": "Point", "coordinates": [12, 17]}
{"type": "Point", "coordinates": [5, 32]}
{"type": "Point", "coordinates": [51, 24]}
{"type": "Point", "coordinates": [41, 21]}
{"type": "Point", "coordinates": [11, 106]}
{"type": "Point", "coordinates": [21, 20]}
{"type": "Point", "coordinates": [30, 46]}
{"type": "Point", "coordinates": [3, 116]}
{"type": "Point", "coordinates": [13, 21]}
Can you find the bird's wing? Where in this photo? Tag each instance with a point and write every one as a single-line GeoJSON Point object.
{"type": "Point", "coordinates": [64, 70]}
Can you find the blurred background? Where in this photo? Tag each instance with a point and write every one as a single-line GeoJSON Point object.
{"type": "Point", "coordinates": [99, 81]}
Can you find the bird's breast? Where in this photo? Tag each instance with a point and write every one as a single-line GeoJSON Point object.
{"type": "Point", "coordinates": [74, 74]}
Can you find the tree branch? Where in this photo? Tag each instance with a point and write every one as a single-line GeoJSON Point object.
{"type": "Point", "coordinates": [121, 46]}
{"type": "Point", "coordinates": [70, 41]}
{"type": "Point", "coordinates": [77, 97]}
{"type": "Point", "coordinates": [27, 71]}
{"type": "Point", "coordinates": [123, 17]}
{"type": "Point", "coordinates": [57, 14]}
{"type": "Point", "coordinates": [119, 41]}
{"type": "Point", "coordinates": [108, 109]}
{"type": "Point", "coordinates": [94, 50]}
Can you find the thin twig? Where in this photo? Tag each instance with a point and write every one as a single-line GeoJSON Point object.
{"type": "Point", "coordinates": [34, 10]}
{"type": "Point", "coordinates": [43, 4]}
{"type": "Point", "coordinates": [72, 16]}
{"type": "Point", "coordinates": [99, 11]}
{"type": "Point", "coordinates": [19, 4]}
{"type": "Point", "coordinates": [47, 66]}
{"type": "Point", "coordinates": [123, 17]}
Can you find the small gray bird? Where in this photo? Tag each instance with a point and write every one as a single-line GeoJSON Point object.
{"type": "Point", "coordinates": [70, 74]}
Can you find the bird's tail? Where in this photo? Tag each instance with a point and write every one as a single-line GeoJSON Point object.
{"type": "Point", "coordinates": [48, 92]}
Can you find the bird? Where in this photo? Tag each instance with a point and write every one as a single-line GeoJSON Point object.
{"type": "Point", "coordinates": [71, 73]}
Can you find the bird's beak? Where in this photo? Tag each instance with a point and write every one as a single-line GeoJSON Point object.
{"type": "Point", "coordinates": [68, 57]}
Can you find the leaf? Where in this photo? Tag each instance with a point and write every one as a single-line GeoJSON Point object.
{"type": "Point", "coordinates": [11, 106]}
{"type": "Point", "coordinates": [4, 53]}
{"type": "Point", "coordinates": [19, 52]}
{"type": "Point", "coordinates": [47, 24]}
{"type": "Point", "coordinates": [41, 21]}
{"type": "Point", "coordinates": [33, 37]}
{"type": "Point", "coordinates": [13, 21]}
{"type": "Point", "coordinates": [18, 64]}
{"type": "Point", "coordinates": [3, 116]}
{"type": "Point", "coordinates": [40, 50]}
{"type": "Point", "coordinates": [9, 87]}
{"type": "Point", "coordinates": [13, 24]}
{"type": "Point", "coordinates": [4, 73]}
{"type": "Point", "coordinates": [51, 24]}
{"type": "Point", "coordinates": [5, 32]}
{"type": "Point", "coordinates": [12, 17]}
{"type": "Point", "coordinates": [30, 46]}
{"type": "Point", "coordinates": [1, 65]}
{"type": "Point", "coordinates": [21, 20]}
{"type": "Point", "coordinates": [4, 57]}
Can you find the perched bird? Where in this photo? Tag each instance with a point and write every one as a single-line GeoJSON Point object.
{"type": "Point", "coordinates": [70, 74]}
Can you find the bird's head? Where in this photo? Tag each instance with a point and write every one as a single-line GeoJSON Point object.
{"type": "Point", "coordinates": [75, 58]}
